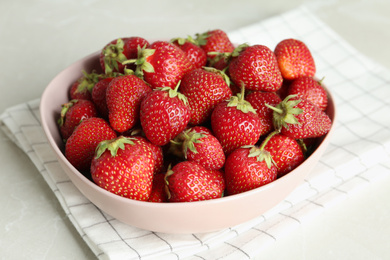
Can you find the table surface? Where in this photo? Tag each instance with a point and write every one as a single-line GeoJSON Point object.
{"type": "Point", "coordinates": [39, 38]}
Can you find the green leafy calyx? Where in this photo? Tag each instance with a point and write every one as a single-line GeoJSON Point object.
{"type": "Point", "coordinates": [172, 93]}
{"type": "Point", "coordinates": [190, 138]}
{"type": "Point", "coordinates": [141, 62]}
{"type": "Point", "coordinates": [284, 113]}
{"type": "Point", "coordinates": [113, 145]}
{"type": "Point", "coordinates": [113, 54]}
{"type": "Point", "coordinates": [240, 103]}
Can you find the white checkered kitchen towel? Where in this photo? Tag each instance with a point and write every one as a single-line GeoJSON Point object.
{"type": "Point", "coordinates": [358, 154]}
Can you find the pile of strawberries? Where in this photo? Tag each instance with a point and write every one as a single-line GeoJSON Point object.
{"type": "Point", "coordinates": [193, 119]}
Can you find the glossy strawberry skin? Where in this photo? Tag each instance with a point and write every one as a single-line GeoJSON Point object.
{"type": "Point", "coordinates": [294, 59]}
{"type": "Point", "coordinates": [313, 122]}
{"type": "Point", "coordinates": [234, 128]}
{"type": "Point", "coordinates": [286, 153]}
{"type": "Point", "coordinates": [158, 193]}
{"type": "Point", "coordinates": [157, 152]}
{"type": "Point", "coordinates": [80, 146]}
{"type": "Point", "coordinates": [258, 99]}
{"type": "Point", "coordinates": [310, 89]}
{"type": "Point", "coordinates": [169, 63]}
{"type": "Point", "coordinates": [75, 111]}
{"type": "Point", "coordinates": [204, 90]}
{"type": "Point", "coordinates": [209, 152]}
{"type": "Point", "coordinates": [131, 48]}
{"type": "Point", "coordinates": [195, 54]}
{"type": "Point", "coordinates": [243, 173]}
{"type": "Point", "coordinates": [128, 174]}
{"type": "Point", "coordinates": [217, 41]}
{"type": "Point", "coordinates": [192, 182]}
{"type": "Point", "coordinates": [75, 92]}
{"type": "Point", "coordinates": [256, 68]}
{"type": "Point", "coordinates": [132, 44]}
{"type": "Point", "coordinates": [123, 96]}
{"type": "Point", "coordinates": [162, 117]}
{"type": "Point", "coordinates": [99, 96]}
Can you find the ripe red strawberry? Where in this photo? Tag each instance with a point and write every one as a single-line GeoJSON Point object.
{"type": "Point", "coordinates": [80, 146]}
{"type": "Point", "coordinates": [124, 166]}
{"type": "Point", "coordinates": [255, 67]}
{"type": "Point", "coordinates": [200, 146]}
{"type": "Point", "coordinates": [158, 193]}
{"type": "Point", "coordinates": [221, 61]}
{"type": "Point", "coordinates": [247, 169]}
{"type": "Point", "coordinates": [133, 44]}
{"type": "Point", "coordinates": [163, 64]}
{"type": "Point", "coordinates": [164, 114]}
{"type": "Point", "coordinates": [72, 113]}
{"type": "Point", "coordinates": [286, 153]}
{"type": "Point", "coordinates": [258, 100]}
{"type": "Point", "coordinates": [99, 96]}
{"type": "Point", "coordinates": [157, 151]}
{"type": "Point", "coordinates": [81, 89]}
{"type": "Point", "coordinates": [310, 89]}
{"type": "Point", "coordinates": [235, 123]}
{"type": "Point", "coordinates": [195, 54]}
{"type": "Point", "coordinates": [299, 118]}
{"type": "Point", "coordinates": [123, 96]}
{"type": "Point", "coordinates": [294, 59]}
{"type": "Point", "coordinates": [215, 41]}
{"type": "Point", "coordinates": [220, 178]}
{"type": "Point", "coordinates": [189, 181]}
{"type": "Point", "coordinates": [204, 89]}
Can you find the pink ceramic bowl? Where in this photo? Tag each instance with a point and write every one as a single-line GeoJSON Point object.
{"type": "Point", "coordinates": [190, 217]}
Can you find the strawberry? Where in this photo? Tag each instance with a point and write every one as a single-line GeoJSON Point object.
{"type": "Point", "coordinates": [157, 152]}
{"type": "Point", "coordinates": [300, 118]}
{"type": "Point", "coordinates": [221, 61]}
{"type": "Point", "coordinates": [258, 100]}
{"type": "Point", "coordinates": [124, 166]}
{"type": "Point", "coordinates": [200, 146]}
{"type": "Point", "coordinates": [123, 96]}
{"type": "Point", "coordinates": [195, 54]}
{"type": "Point", "coordinates": [81, 89]}
{"type": "Point", "coordinates": [164, 114]}
{"type": "Point", "coordinates": [80, 146]}
{"type": "Point", "coordinates": [132, 44]}
{"type": "Point", "coordinates": [310, 89]}
{"type": "Point", "coordinates": [294, 59]}
{"type": "Point", "coordinates": [204, 89]}
{"type": "Point", "coordinates": [235, 123]}
{"type": "Point", "coordinates": [286, 153]}
{"type": "Point", "coordinates": [158, 193]}
{"type": "Point", "coordinates": [72, 113]}
{"type": "Point", "coordinates": [248, 168]}
{"type": "Point", "coordinates": [163, 64]}
{"type": "Point", "coordinates": [220, 178]}
{"type": "Point", "coordinates": [215, 41]}
{"type": "Point", "coordinates": [99, 96]}
{"type": "Point", "coordinates": [188, 181]}
{"type": "Point", "coordinates": [255, 67]}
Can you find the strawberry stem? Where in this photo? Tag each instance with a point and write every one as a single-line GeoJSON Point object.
{"type": "Point", "coordinates": [269, 136]}
{"type": "Point", "coordinates": [240, 103]}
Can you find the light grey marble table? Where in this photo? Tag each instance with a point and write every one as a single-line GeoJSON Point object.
{"type": "Point", "coordinates": [39, 38]}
